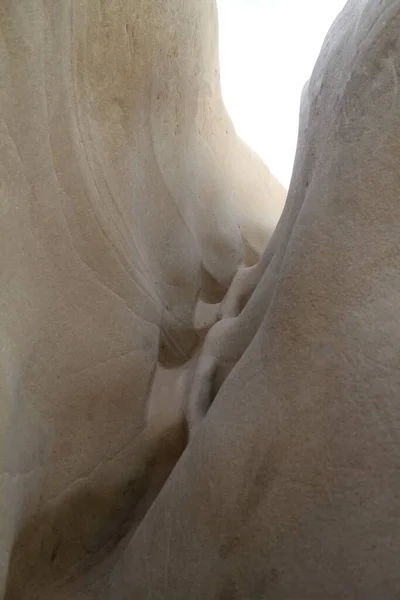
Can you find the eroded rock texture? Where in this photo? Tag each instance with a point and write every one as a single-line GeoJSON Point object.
{"type": "Point", "coordinates": [181, 418]}
{"type": "Point", "coordinates": [127, 200]}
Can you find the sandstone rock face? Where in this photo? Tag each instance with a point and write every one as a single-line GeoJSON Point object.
{"type": "Point", "coordinates": [126, 200]}
{"type": "Point", "coordinates": [179, 418]}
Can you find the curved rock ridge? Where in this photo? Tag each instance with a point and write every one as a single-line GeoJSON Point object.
{"type": "Point", "coordinates": [128, 205]}
{"type": "Point", "coordinates": [181, 418]}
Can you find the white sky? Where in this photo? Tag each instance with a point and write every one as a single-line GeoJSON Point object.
{"type": "Point", "coordinates": [267, 51]}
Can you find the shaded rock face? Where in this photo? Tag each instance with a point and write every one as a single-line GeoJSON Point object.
{"type": "Point", "coordinates": [127, 200]}
{"type": "Point", "coordinates": [181, 418]}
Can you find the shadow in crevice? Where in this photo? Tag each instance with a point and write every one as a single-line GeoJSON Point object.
{"type": "Point", "coordinates": [73, 534]}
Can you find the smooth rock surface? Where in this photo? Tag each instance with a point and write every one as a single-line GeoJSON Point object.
{"type": "Point", "coordinates": [289, 488]}
{"type": "Point", "coordinates": [126, 198]}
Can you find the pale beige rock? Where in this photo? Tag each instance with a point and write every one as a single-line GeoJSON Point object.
{"type": "Point", "coordinates": [289, 485]}
{"type": "Point", "coordinates": [126, 199]}
{"type": "Point", "coordinates": [289, 488]}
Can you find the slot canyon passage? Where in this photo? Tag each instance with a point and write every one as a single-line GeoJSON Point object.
{"type": "Point", "coordinates": [194, 404]}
